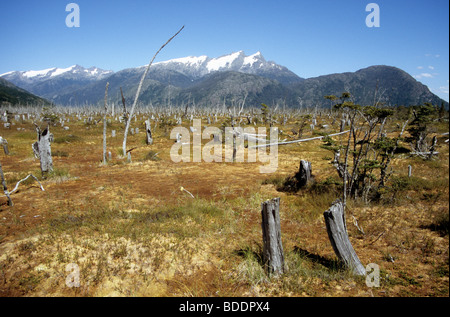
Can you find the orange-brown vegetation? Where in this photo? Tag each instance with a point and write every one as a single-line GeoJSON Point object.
{"type": "Point", "coordinates": [133, 232]}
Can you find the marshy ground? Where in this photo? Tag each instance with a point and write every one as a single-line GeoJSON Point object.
{"type": "Point", "coordinates": [132, 231]}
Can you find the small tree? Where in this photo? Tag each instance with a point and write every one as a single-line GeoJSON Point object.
{"type": "Point", "coordinates": [368, 151]}
{"type": "Point", "coordinates": [265, 111]}
{"type": "Point", "coordinates": [420, 129]}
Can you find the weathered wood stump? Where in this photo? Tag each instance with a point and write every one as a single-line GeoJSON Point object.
{"type": "Point", "coordinates": [302, 178]}
{"type": "Point", "coordinates": [337, 233]}
{"type": "Point", "coordinates": [43, 149]}
{"type": "Point", "coordinates": [148, 130]}
{"type": "Point", "coordinates": [4, 143]}
{"type": "Point", "coordinates": [5, 189]}
{"type": "Point", "coordinates": [304, 174]}
{"type": "Point", "coordinates": [273, 255]}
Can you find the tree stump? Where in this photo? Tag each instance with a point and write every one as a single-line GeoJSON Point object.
{"type": "Point", "coordinates": [44, 150]}
{"type": "Point", "coordinates": [337, 233]}
{"type": "Point", "coordinates": [273, 256]}
{"type": "Point", "coordinates": [5, 189]}
{"type": "Point", "coordinates": [294, 183]}
{"type": "Point", "coordinates": [304, 174]}
{"type": "Point", "coordinates": [4, 143]}
{"type": "Point", "coordinates": [148, 130]}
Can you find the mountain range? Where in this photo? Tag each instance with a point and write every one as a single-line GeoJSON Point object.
{"type": "Point", "coordinates": [214, 81]}
{"type": "Point", "coordinates": [11, 94]}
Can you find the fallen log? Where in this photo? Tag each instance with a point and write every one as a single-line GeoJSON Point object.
{"type": "Point", "coordinates": [297, 141]}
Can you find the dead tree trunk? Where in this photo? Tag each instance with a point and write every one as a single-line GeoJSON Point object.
{"type": "Point", "coordinates": [337, 233]}
{"type": "Point", "coordinates": [300, 179]}
{"type": "Point", "coordinates": [43, 148]}
{"type": "Point", "coordinates": [433, 145]}
{"type": "Point", "coordinates": [273, 248]}
{"type": "Point", "coordinates": [4, 143]}
{"type": "Point", "coordinates": [304, 174]}
{"type": "Point", "coordinates": [148, 131]}
{"type": "Point", "coordinates": [105, 124]}
{"type": "Point", "coordinates": [5, 189]}
{"type": "Point", "coordinates": [128, 121]}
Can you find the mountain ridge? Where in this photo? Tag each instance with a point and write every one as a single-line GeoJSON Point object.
{"type": "Point", "coordinates": [10, 94]}
{"type": "Point", "coordinates": [210, 81]}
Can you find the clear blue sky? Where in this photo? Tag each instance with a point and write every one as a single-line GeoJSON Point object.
{"type": "Point", "coordinates": [311, 38]}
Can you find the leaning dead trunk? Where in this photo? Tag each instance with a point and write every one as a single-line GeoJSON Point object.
{"type": "Point", "coordinates": [128, 121]}
{"type": "Point", "coordinates": [337, 233]}
{"type": "Point", "coordinates": [273, 248]}
{"type": "Point", "coordinates": [44, 150]}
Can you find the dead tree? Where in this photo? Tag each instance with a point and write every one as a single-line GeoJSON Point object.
{"type": "Point", "coordinates": [302, 178]}
{"type": "Point", "coordinates": [4, 143]}
{"type": "Point", "coordinates": [273, 255]}
{"type": "Point", "coordinates": [304, 174]}
{"type": "Point", "coordinates": [105, 123]}
{"type": "Point", "coordinates": [337, 233]}
{"type": "Point", "coordinates": [148, 132]}
{"type": "Point", "coordinates": [125, 113]}
{"type": "Point", "coordinates": [5, 189]}
{"type": "Point", "coordinates": [42, 147]}
{"type": "Point", "coordinates": [128, 121]}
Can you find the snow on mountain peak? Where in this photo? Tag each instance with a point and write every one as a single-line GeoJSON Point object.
{"type": "Point", "coordinates": [38, 73]}
{"type": "Point", "coordinates": [226, 61]}
{"type": "Point", "coordinates": [197, 67]}
{"type": "Point", "coordinates": [48, 73]}
{"type": "Point", "coordinates": [60, 71]}
{"type": "Point", "coordinates": [188, 61]}
{"type": "Point", "coordinates": [252, 59]}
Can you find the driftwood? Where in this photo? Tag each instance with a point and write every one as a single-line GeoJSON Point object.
{"type": "Point", "coordinates": [273, 248]}
{"type": "Point", "coordinates": [337, 233]}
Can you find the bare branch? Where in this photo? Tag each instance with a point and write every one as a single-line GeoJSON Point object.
{"type": "Point", "coordinates": [22, 180]}
{"type": "Point", "coordinates": [139, 90]}
{"type": "Point", "coordinates": [296, 141]}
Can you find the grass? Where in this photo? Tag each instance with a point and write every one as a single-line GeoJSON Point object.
{"type": "Point", "coordinates": [70, 138]}
{"type": "Point", "coordinates": [132, 232]}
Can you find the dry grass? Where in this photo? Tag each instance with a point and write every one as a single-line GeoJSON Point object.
{"type": "Point", "coordinates": [132, 232]}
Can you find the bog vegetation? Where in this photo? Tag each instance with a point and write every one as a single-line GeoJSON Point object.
{"type": "Point", "coordinates": [137, 224]}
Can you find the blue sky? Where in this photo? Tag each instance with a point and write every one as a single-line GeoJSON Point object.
{"type": "Point", "coordinates": [311, 38]}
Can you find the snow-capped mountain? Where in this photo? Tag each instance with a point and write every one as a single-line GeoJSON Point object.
{"type": "Point", "coordinates": [45, 74]}
{"type": "Point", "coordinates": [51, 82]}
{"type": "Point", "coordinates": [76, 84]}
{"type": "Point", "coordinates": [197, 67]}
{"type": "Point", "coordinates": [212, 81]}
